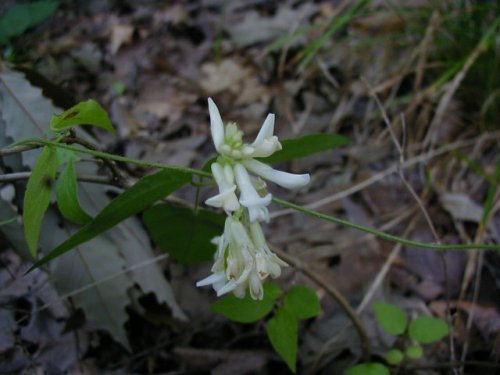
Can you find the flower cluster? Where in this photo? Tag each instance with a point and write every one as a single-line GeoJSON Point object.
{"type": "Point", "coordinates": [243, 259]}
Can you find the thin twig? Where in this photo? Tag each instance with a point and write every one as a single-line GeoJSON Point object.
{"type": "Point", "coordinates": [424, 211]}
{"type": "Point", "coordinates": [480, 48]}
{"type": "Point", "coordinates": [423, 49]}
{"type": "Point", "coordinates": [383, 271]}
{"type": "Point", "coordinates": [18, 149]}
{"type": "Point", "coordinates": [117, 176]}
{"type": "Point", "coordinates": [479, 267]}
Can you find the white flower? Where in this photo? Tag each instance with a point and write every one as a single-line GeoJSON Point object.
{"type": "Point", "coordinates": [242, 261]}
{"type": "Point", "coordinates": [266, 143]}
{"type": "Point", "coordinates": [284, 179]}
{"type": "Point", "coordinates": [229, 140]}
{"type": "Point", "coordinates": [216, 125]}
{"type": "Point", "coordinates": [255, 286]}
{"type": "Point", "coordinates": [225, 181]}
{"type": "Point", "coordinates": [234, 260]}
{"type": "Point", "coordinates": [229, 144]}
{"type": "Point", "coordinates": [266, 262]}
{"type": "Point", "coordinates": [250, 198]}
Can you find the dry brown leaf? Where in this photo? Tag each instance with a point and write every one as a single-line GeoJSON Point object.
{"type": "Point", "coordinates": [222, 76]}
{"type": "Point", "coordinates": [174, 14]}
{"type": "Point", "coordinates": [462, 207]}
{"type": "Point", "coordinates": [231, 76]}
{"type": "Point", "coordinates": [158, 97]}
{"type": "Point", "coordinates": [254, 28]}
{"type": "Point", "coordinates": [120, 35]}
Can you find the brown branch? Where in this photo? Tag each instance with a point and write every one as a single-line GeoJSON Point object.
{"type": "Point", "coordinates": [18, 149]}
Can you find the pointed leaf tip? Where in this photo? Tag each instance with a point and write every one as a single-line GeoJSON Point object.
{"type": "Point", "coordinates": [89, 112]}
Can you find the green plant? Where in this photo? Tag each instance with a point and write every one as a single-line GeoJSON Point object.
{"type": "Point", "coordinates": [393, 320]}
{"type": "Point", "coordinates": [287, 309]}
{"type": "Point", "coordinates": [20, 17]}
{"type": "Point", "coordinates": [193, 229]}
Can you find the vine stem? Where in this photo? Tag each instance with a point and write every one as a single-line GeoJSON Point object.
{"type": "Point", "coordinates": [319, 215]}
{"type": "Point", "coordinates": [105, 155]}
{"type": "Point", "coordinates": [383, 235]}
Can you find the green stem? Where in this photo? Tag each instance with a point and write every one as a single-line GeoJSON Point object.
{"type": "Point", "coordinates": [385, 236]}
{"type": "Point", "coordinates": [282, 202]}
{"type": "Point", "coordinates": [123, 159]}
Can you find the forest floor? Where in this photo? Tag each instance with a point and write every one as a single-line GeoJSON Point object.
{"type": "Point", "coordinates": [413, 86]}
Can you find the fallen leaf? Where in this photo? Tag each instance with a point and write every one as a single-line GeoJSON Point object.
{"type": "Point", "coordinates": [120, 35]}
{"type": "Point", "coordinates": [159, 97]}
{"type": "Point", "coordinates": [254, 28]}
{"type": "Point", "coordinates": [462, 207]}
{"type": "Point", "coordinates": [230, 75]}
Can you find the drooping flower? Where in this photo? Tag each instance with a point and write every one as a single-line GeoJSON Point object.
{"type": "Point", "coordinates": [266, 262]}
{"type": "Point", "coordinates": [226, 198]}
{"type": "Point", "coordinates": [233, 260]}
{"type": "Point", "coordinates": [242, 261]}
{"type": "Point", "coordinates": [250, 198]}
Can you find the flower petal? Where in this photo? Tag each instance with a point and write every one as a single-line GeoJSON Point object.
{"type": "Point", "coordinates": [226, 198]}
{"type": "Point", "coordinates": [284, 179]}
{"type": "Point", "coordinates": [216, 124]}
{"type": "Point", "coordinates": [267, 147]}
{"type": "Point", "coordinates": [212, 279]}
{"type": "Point", "coordinates": [230, 286]}
{"type": "Point", "coordinates": [250, 198]}
{"type": "Point", "coordinates": [255, 286]}
{"type": "Point", "coordinates": [266, 143]}
{"type": "Point", "coordinates": [266, 131]}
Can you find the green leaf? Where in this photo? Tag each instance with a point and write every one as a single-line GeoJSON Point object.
{"type": "Point", "coordinates": [302, 302]}
{"type": "Point", "coordinates": [65, 156]}
{"type": "Point", "coordinates": [184, 233]}
{"type": "Point", "coordinates": [20, 17]}
{"type": "Point", "coordinates": [392, 319]}
{"type": "Point", "coordinates": [282, 332]}
{"type": "Point", "coordinates": [247, 310]}
{"type": "Point", "coordinates": [414, 352]}
{"type": "Point", "coordinates": [145, 192]}
{"type": "Point", "coordinates": [368, 369]}
{"type": "Point", "coordinates": [305, 146]}
{"type": "Point", "coordinates": [84, 113]}
{"type": "Point", "coordinates": [394, 356]}
{"type": "Point", "coordinates": [37, 197]}
{"type": "Point", "coordinates": [67, 195]}
{"type": "Point", "coordinates": [427, 329]}
{"type": "Point", "coordinates": [208, 165]}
